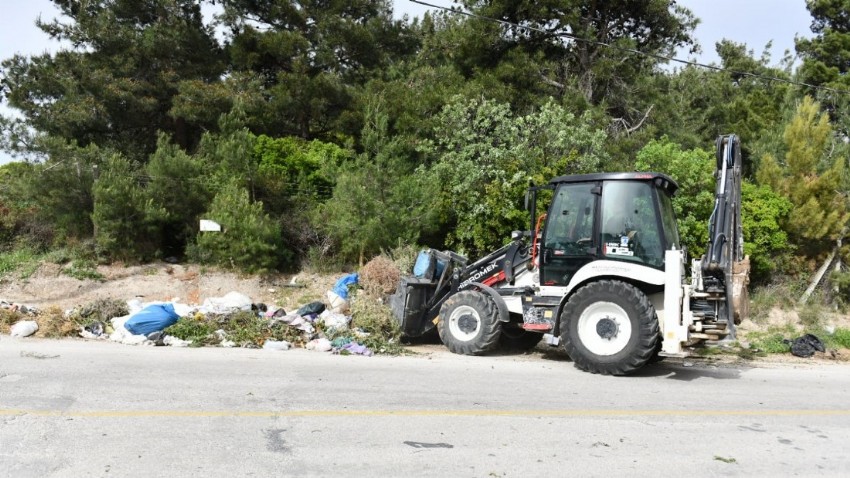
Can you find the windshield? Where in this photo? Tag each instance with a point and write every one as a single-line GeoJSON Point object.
{"type": "Point", "coordinates": [668, 220]}
{"type": "Point", "coordinates": [631, 230]}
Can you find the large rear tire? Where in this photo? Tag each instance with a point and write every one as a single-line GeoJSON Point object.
{"type": "Point", "coordinates": [469, 323]}
{"type": "Point", "coordinates": [609, 327]}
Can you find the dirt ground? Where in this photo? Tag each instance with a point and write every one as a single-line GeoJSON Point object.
{"type": "Point", "coordinates": [191, 284]}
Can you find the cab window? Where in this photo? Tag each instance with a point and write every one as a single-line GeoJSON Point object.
{"type": "Point", "coordinates": [630, 226]}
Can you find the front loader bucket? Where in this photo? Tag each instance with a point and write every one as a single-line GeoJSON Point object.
{"type": "Point", "coordinates": [410, 306]}
{"type": "Point", "coordinates": [740, 295]}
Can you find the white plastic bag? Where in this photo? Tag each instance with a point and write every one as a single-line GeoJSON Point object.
{"type": "Point", "coordinates": [232, 301]}
{"type": "Point", "coordinates": [24, 328]}
{"type": "Point", "coordinates": [334, 321]}
{"type": "Point", "coordinates": [320, 345]}
{"type": "Point", "coordinates": [276, 345]}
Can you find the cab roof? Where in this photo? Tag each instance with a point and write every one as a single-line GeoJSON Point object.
{"type": "Point", "coordinates": [661, 180]}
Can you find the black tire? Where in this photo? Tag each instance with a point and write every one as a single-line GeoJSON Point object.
{"type": "Point", "coordinates": [609, 327]}
{"type": "Point", "coordinates": [469, 323]}
{"type": "Point", "coordinates": [517, 339]}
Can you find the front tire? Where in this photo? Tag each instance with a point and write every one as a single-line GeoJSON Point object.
{"type": "Point", "coordinates": [469, 323]}
{"type": "Point", "coordinates": [610, 327]}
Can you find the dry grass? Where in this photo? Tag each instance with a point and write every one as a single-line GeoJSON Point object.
{"type": "Point", "coordinates": [52, 324]}
{"type": "Point", "coordinates": [380, 276]}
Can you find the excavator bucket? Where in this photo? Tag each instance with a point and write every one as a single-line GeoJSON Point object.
{"type": "Point", "coordinates": [740, 296]}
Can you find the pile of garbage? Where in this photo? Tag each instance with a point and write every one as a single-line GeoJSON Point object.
{"type": "Point", "coordinates": [19, 308]}
{"type": "Point", "coordinates": [233, 320]}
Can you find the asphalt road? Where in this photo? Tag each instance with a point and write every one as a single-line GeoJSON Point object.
{"type": "Point", "coordinates": [73, 408]}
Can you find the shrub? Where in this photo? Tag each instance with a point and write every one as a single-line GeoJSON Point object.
{"type": "Point", "coordinates": [249, 240]}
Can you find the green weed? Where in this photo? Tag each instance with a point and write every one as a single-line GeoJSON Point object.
{"type": "Point", "coordinates": [82, 269]}
{"type": "Point", "coordinates": [377, 320]}
{"type": "Point", "coordinates": [770, 342]}
{"type": "Point", "coordinates": [23, 260]}
{"type": "Point", "coordinates": [199, 331]}
{"type": "Point", "coordinates": [841, 338]}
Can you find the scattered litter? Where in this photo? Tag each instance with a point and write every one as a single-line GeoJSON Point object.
{"type": "Point", "coordinates": [124, 336]}
{"type": "Point", "coordinates": [37, 355]}
{"type": "Point", "coordinates": [227, 344]}
{"type": "Point", "coordinates": [20, 308]}
{"type": "Point", "coordinates": [157, 338]}
{"type": "Point", "coordinates": [311, 308]}
{"type": "Point", "coordinates": [354, 348]}
{"type": "Point", "coordinates": [334, 321]}
{"type": "Point", "coordinates": [805, 346]}
{"type": "Point", "coordinates": [24, 328]}
{"type": "Point", "coordinates": [153, 318]}
{"type": "Point", "coordinates": [231, 302]}
{"type": "Point", "coordinates": [96, 328]}
{"type": "Point", "coordinates": [276, 345]}
{"type": "Point", "coordinates": [340, 341]}
{"type": "Point", "coordinates": [338, 296]}
{"type": "Point", "coordinates": [175, 342]}
{"type": "Point", "coordinates": [320, 345]}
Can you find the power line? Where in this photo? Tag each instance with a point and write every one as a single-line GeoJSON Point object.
{"type": "Point", "coordinates": [635, 51]}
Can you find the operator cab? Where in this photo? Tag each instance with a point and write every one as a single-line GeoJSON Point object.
{"type": "Point", "coordinates": [625, 217]}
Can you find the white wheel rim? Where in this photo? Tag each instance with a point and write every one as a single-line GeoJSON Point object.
{"type": "Point", "coordinates": [461, 320]}
{"type": "Point", "coordinates": [606, 312]}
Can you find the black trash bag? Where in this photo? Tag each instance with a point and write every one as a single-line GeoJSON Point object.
{"type": "Point", "coordinates": [158, 338]}
{"type": "Point", "coordinates": [95, 328]}
{"type": "Point", "coordinates": [311, 308]}
{"type": "Point", "coordinates": [805, 346]}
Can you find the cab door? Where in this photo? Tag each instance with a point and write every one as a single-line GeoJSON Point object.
{"type": "Point", "coordinates": [570, 238]}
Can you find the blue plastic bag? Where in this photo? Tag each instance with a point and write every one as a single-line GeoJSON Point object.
{"type": "Point", "coordinates": [152, 318]}
{"type": "Point", "coordinates": [341, 287]}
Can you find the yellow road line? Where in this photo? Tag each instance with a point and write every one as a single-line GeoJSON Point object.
{"type": "Point", "coordinates": [415, 413]}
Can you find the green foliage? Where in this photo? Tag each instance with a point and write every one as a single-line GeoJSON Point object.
{"type": "Point", "coordinates": [199, 331]}
{"type": "Point", "coordinates": [376, 319]}
{"type": "Point", "coordinates": [485, 156]}
{"type": "Point", "coordinates": [810, 178]}
{"type": "Point", "coordinates": [82, 269]}
{"type": "Point", "coordinates": [22, 260]}
{"type": "Point", "coordinates": [763, 213]}
{"type": "Point", "coordinates": [125, 219]}
{"type": "Point", "coordinates": [178, 191]}
{"type": "Point", "coordinates": [826, 56]}
{"type": "Point", "coordinates": [115, 87]}
{"type": "Point", "coordinates": [841, 338]}
{"type": "Point", "coordinates": [770, 342]}
{"type": "Point", "coordinates": [377, 202]}
{"type": "Point", "coordinates": [693, 171]}
{"type": "Point", "coordinates": [249, 240]}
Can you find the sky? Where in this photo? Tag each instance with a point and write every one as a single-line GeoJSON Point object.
{"type": "Point", "coordinates": [753, 22]}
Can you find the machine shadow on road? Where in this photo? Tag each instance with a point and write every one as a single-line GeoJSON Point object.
{"type": "Point", "coordinates": [674, 370]}
{"type": "Point", "coordinates": [681, 372]}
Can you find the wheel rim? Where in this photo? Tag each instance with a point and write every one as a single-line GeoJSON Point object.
{"type": "Point", "coordinates": [464, 323]}
{"type": "Point", "coordinates": [604, 328]}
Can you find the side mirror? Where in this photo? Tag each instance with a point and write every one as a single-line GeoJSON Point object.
{"type": "Point", "coordinates": [517, 235]}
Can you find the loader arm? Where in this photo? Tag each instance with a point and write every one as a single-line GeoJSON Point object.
{"type": "Point", "coordinates": [724, 268]}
